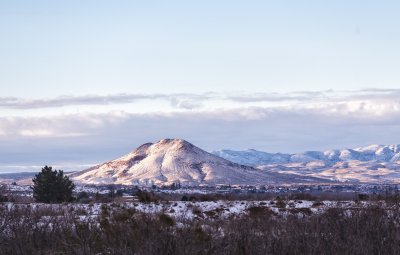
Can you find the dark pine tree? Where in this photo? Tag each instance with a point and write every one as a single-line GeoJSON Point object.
{"type": "Point", "coordinates": [52, 186]}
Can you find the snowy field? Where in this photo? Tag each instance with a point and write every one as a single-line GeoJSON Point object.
{"type": "Point", "coordinates": [195, 210]}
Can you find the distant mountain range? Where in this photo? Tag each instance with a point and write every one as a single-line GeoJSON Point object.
{"type": "Point", "coordinates": [379, 153]}
{"type": "Point", "coordinates": [178, 161]}
{"type": "Point", "coordinates": [374, 163]}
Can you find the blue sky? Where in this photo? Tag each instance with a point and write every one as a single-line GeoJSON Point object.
{"type": "Point", "coordinates": [97, 78]}
{"type": "Point", "coordinates": [78, 47]}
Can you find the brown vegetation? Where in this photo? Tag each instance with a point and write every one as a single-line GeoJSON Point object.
{"type": "Point", "coordinates": [116, 230]}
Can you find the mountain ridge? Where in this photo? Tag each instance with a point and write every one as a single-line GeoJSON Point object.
{"type": "Point", "coordinates": [369, 164]}
{"type": "Point", "coordinates": [178, 161]}
{"type": "Point", "coordinates": [376, 152]}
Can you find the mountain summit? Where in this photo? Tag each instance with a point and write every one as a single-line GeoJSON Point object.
{"type": "Point", "coordinates": [175, 161]}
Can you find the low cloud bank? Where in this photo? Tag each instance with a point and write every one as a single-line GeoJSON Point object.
{"type": "Point", "coordinates": [89, 137]}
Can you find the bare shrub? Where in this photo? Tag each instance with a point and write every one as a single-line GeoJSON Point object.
{"type": "Point", "coordinates": [260, 211]}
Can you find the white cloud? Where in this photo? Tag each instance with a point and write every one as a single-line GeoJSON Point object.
{"type": "Point", "coordinates": [209, 100]}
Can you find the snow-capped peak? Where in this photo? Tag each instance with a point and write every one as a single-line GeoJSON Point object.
{"type": "Point", "coordinates": [174, 161]}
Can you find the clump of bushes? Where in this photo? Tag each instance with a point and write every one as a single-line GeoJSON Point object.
{"type": "Point", "coordinates": [147, 197]}
{"type": "Point", "coordinates": [260, 211]}
{"type": "Point", "coordinates": [280, 203]}
{"type": "Point", "coordinates": [3, 198]}
{"type": "Point", "coordinates": [317, 204]}
{"type": "Point", "coordinates": [166, 220]}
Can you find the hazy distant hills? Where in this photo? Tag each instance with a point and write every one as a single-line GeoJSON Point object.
{"type": "Point", "coordinates": [21, 177]}
{"type": "Point", "coordinates": [374, 163]}
{"type": "Point", "coordinates": [178, 161]}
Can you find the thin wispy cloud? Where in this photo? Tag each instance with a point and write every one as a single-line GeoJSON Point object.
{"type": "Point", "coordinates": [22, 103]}
{"type": "Point", "coordinates": [190, 101]}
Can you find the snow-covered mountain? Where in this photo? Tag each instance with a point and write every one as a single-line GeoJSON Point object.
{"type": "Point", "coordinates": [374, 163]}
{"type": "Point", "coordinates": [379, 153]}
{"type": "Point", "coordinates": [178, 161]}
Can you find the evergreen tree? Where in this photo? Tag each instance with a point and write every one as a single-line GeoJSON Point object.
{"type": "Point", "coordinates": [51, 186]}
